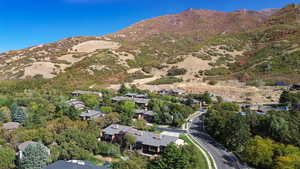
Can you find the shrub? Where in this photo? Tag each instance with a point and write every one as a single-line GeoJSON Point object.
{"type": "Point", "coordinates": [108, 149]}
{"type": "Point", "coordinates": [212, 82]}
{"type": "Point", "coordinates": [174, 71]}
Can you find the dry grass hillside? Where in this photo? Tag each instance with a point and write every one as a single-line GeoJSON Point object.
{"type": "Point", "coordinates": [190, 50]}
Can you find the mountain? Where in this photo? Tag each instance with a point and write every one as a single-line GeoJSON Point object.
{"type": "Point", "coordinates": [199, 24]}
{"type": "Point", "coordinates": [290, 14]}
{"type": "Point", "coordinates": [244, 44]}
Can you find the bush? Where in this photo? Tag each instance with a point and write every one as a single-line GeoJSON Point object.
{"type": "Point", "coordinates": [108, 149]}
{"type": "Point", "coordinates": [212, 82]}
{"type": "Point", "coordinates": [174, 71]}
{"type": "Point", "coordinates": [166, 80]}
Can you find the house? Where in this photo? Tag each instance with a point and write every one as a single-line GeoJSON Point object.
{"type": "Point", "coordinates": [145, 114]}
{"type": "Point", "coordinates": [136, 95]}
{"type": "Point", "coordinates": [73, 164]}
{"type": "Point", "coordinates": [252, 107]}
{"type": "Point", "coordinates": [296, 107]}
{"type": "Point", "coordinates": [171, 91]}
{"type": "Point", "coordinates": [10, 126]}
{"type": "Point", "coordinates": [23, 146]}
{"type": "Point", "coordinates": [295, 87]}
{"type": "Point", "coordinates": [147, 142]}
{"type": "Point", "coordinates": [82, 92]}
{"type": "Point", "coordinates": [139, 101]}
{"type": "Point", "coordinates": [281, 84]}
{"type": "Point", "coordinates": [78, 104]}
{"type": "Point", "coordinates": [91, 114]}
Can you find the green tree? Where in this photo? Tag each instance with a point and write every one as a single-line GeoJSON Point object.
{"type": "Point", "coordinates": [140, 124]}
{"type": "Point", "coordinates": [35, 156]}
{"type": "Point", "coordinates": [291, 161]}
{"type": "Point", "coordinates": [107, 149]}
{"type": "Point", "coordinates": [90, 100]}
{"type": "Point", "coordinates": [206, 98]}
{"type": "Point", "coordinates": [18, 114]}
{"type": "Point", "coordinates": [237, 131]}
{"type": "Point", "coordinates": [172, 158]}
{"type": "Point", "coordinates": [259, 152]}
{"type": "Point", "coordinates": [106, 109]}
{"type": "Point", "coordinates": [127, 110]}
{"type": "Point", "coordinates": [7, 158]}
{"type": "Point", "coordinates": [123, 89]}
{"type": "Point", "coordinates": [5, 114]}
{"type": "Point", "coordinates": [130, 140]}
{"type": "Point", "coordinates": [277, 127]}
{"type": "Point", "coordinates": [72, 113]}
{"type": "Point", "coordinates": [71, 151]}
{"type": "Point", "coordinates": [284, 97]}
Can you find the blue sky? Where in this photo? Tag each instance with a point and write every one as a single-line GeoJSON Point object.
{"type": "Point", "coordinates": [25, 23]}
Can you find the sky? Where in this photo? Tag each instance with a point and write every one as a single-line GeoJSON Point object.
{"type": "Point", "coordinates": [25, 23]}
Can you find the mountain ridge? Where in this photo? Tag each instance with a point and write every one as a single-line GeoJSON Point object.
{"type": "Point", "coordinates": [225, 44]}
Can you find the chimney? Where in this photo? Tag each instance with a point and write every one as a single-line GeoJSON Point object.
{"type": "Point", "coordinates": [157, 137]}
{"type": "Point", "coordinates": [115, 126]}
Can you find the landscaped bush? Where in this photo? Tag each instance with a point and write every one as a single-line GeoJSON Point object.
{"type": "Point", "coordinates": [166, 80]}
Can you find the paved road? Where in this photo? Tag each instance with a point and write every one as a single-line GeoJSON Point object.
{"type": "Point", "coordinates": [223, 159]}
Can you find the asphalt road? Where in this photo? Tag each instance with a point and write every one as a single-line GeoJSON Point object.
{"type": "Point", "coordinates": [223, 159]}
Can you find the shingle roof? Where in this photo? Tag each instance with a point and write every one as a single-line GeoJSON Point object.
{"type": "Point", "coordinates": [143, 137]}
{"type": "Point", "coordinates": [73, 164]}
{"type": "Point", "coordinates": [136, 100]}
{"type": "Point", "coordinates": [91, 113]}
{"type": "Point", "coordinates": [136, 95]}
{"type": "Point", "coordinates": [145, 112]}
{"type": "Point", "coordinates": [78, 104]}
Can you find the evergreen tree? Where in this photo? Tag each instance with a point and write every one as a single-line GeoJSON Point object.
{"type": "Point", "coordinates": [18, 114]}
{"type": "Point", "coordinates": [35, 156]}
{"type": "Point", "coordinates": [123, 89]}
{"type": "Point", "coordinates": [284, 97]}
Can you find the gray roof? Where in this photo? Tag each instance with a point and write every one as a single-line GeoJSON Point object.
{"type": "Point", "coordinates": [136, 100]}
{"type": "Point", "coordinates": [73, 164]}
{"type": "Point", "coordinates": [11, 125]}
{"type": "Point", "coordinates": [78, 104]}
{"type": "Point", "coordinates": [91, 113]}
{"type": "Point", "coordinates": [172, 90]}
{"type": "Point", "coordinates": [86, 92]}
{"type": "Point", "coordinates": [136, 95]}
{"type": "Point", "coordinates": [145, 112]}
{"type": "Point", "coordinates": [23, 146]}
{"type": "Point", "coordinates": [143, 137]}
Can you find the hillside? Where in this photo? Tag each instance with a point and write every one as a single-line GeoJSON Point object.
{"type": "Point", "coordinates": [206, 45]}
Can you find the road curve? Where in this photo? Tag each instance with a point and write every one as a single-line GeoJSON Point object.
{"type": "Point", "coordinates": [223, 159]}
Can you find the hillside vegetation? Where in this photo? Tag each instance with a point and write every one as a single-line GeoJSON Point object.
{"type": "Point", "coordinates": [245, 45]}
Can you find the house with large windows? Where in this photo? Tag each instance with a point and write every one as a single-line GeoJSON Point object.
{"type": "Point", "coordinates": [147, 142]}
